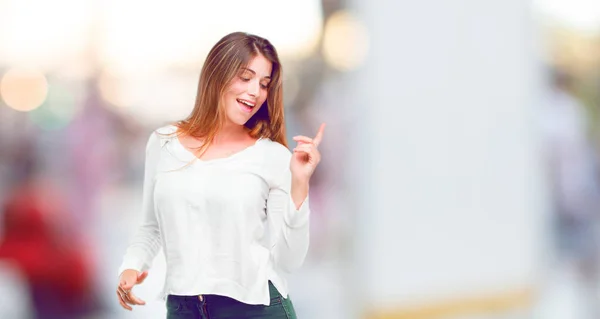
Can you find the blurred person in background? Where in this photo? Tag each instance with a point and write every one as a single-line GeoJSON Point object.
{"type": "Point", "coordinates": [575, 186]}
{"type": "Point", "coordinates": [53, 264]}
{"type": "Point", "coordinates": [223, 195]}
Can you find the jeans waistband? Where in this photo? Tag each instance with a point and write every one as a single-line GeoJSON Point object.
{"type": "Point", "coordinates": [273, 292]}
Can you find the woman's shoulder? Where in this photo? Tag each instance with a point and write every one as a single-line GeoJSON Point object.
{"type": "Point", "coordinates": [275, 149]}
{"type": "Point", "coordinates": [166, 130]}
{"type": "Point", "coordinates": [163, 134]}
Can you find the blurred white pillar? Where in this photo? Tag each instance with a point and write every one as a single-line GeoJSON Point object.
{"type": "Point", "coordinates": [451, 193]}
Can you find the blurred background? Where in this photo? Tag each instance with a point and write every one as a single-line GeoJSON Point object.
{"type": "Point", "coordinates": [460, 174]}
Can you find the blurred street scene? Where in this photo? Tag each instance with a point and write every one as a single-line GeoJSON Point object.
{"type": "Point", "coordinates": [460, 176]}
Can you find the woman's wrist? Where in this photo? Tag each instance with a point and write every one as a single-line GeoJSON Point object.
{"type": "Point", "coordinates": [299, 192]}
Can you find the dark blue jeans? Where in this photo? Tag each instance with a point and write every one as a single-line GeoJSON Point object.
{"type": "Point", "coordinates": [221, 307]}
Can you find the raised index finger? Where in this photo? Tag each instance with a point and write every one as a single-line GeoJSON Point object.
{"type": "Point", "coordinates": [319, 136]}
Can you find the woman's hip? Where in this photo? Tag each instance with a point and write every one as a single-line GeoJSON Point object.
{"type": "Point", "coordinates": [221, 307]}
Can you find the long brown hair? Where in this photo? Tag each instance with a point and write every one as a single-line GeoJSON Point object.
{"type": "Point", "coordinates": [222, 64]}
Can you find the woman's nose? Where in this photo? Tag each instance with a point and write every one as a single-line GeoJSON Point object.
{"type": "Point", "coordinates": [253, 88]}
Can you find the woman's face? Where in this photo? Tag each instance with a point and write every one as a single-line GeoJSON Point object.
{"type": "Point", "coordinates": [247, 91]}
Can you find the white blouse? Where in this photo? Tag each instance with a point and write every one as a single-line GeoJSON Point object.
{"type": "Point", "coordinates": [227, 225]}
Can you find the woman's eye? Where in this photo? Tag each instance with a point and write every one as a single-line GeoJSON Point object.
{"type": "Point", "coordinates": [244, 79]}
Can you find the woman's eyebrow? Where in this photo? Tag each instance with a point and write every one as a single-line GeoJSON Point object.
{"type": "Point", "coordinates": [254, 72]}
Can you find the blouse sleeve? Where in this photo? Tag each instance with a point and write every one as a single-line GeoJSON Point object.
{"type": "Point", "coordinates": [290, 225]}
{"type": "Point", "coordinates": [146, 243]}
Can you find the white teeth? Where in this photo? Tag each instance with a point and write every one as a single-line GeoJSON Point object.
{"type": "Point", "coordinates": [246, 103]}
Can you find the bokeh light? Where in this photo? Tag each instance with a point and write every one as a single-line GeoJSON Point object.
{"type": "Point", "coordinates": [57, 111]}
{"type": "Point", "coordinates": [582, 15]}
{"type": "Point", "coordinates": [43, 33]}
{"type": "Point", "coordinates": [23, 89]}
{"type": "Point", "coordinates": [187, 30]}
{"type": "Point", "coordinates": [111, 88]}
{"type": "Point", "coordinates": [345, 41]}
{"type": "Point", "coordinates": [172, 95]}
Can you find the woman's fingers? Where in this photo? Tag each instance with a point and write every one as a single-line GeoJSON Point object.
{"type": "Point", "coordinates": [303, 139]}
{"type": "Point", "coordinates": [127, 298]}
{"type": "Point", "coordinates": [130, 298]}
{"type": "Point", "coordinates": [125, 295]}
{"type": "Point", "coordinates": [309, 150]}
{"type": "Point", "coordinates": [129, 278]}
{"type": "Point", "coordinates": [134, 300]}
{"type": "Point", "coordinates": [122, 301]}
{"type": "Point", "coordinates": [319, 137]}
{"type": "Point", "coordinates": [127, 284]}
{"type": "Point", "coordinates": [315, 141]}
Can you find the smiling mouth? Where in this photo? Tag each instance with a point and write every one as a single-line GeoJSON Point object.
{"type": "Point", "coordinates": [246, 105]}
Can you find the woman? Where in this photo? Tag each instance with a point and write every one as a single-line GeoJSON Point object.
{"type": "Point", "coordinates": [223, 196]}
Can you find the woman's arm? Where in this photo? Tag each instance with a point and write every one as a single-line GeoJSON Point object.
{"type": "Point", "coordinates": [145, 243]}
{"type": "Point", "coordinates": [288, 211]}
{"type": "Point", "coordinates": [287, 205]}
